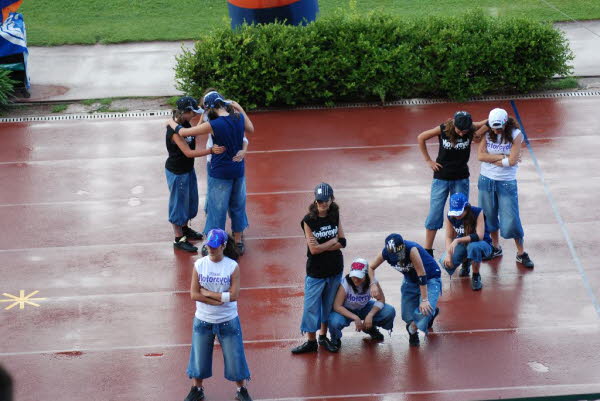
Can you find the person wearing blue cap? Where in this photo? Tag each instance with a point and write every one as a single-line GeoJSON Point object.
{"type": "Point", "coordinates": [226, 191]}
{"type": "Point", "coordinates": [181, 176]}
{"type": "Point", "coordinates": [215, 287]}
{"type": "Point", "coordinates": [422, 285]}
{"type": "Point", "coordinates": [450, 168]}
{"type": "Point", "coordinates": [324, 265]}
{"type": "Point", "coordinates": [466, 239]}
{"type": "Point", "coordinates": [500, 154]}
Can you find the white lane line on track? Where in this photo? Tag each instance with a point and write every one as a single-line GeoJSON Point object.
{"type": "Point", "coordinates": [298, 339]}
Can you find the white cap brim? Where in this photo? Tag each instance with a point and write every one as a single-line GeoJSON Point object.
{"type": "Point", "coordinates": [358, 274]}
{"type": "Point", "coordinates": [455, 213]}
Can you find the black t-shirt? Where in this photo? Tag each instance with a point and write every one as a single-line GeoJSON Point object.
{"type": "Point", "coordinates": [454, 159]}
{"type": "Point", "coordinates": [177, 162]}
{"type": "Point", "coordinates": [328, 263]}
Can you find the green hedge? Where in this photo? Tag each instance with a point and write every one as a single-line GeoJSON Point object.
{"type": "Point", "coordinates": [352, 58]}
{"type": "Point", "coordinates": [7, 87]}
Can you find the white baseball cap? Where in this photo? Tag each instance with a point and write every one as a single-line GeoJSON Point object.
{"type": "Point", "coordinates": [359, 268]}
{"type": "Point", "coordinates": [498, 118]}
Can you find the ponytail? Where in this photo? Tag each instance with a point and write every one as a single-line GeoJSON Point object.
{"type": "Point", "coordinates": [230, 251]}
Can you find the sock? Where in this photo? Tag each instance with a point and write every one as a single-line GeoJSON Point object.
{"type": "Point", "coordinates": [178, 238]}
{"type": "Point", "coordinates": [199, 388]}
{"type": "Point", "coordinates": [476, 275]}
{"type": "Point", "coordinates": [411, 330]}
{"type": "Point", "coordinates": [322, 336]}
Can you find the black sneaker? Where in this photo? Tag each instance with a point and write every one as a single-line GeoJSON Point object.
{"type": "Point", "coordinates": [437, 312]}
{"type": "Point", "coordinates": [495, 253]}
{"type": "Point", "coordinates": [476, 284]}
{"type": "Point", "coordinates": [243, 395]}
{"type": "Point", "coordinates": [337, 343]}
{"type": "Point", "coordinates": [374, 333]}
{"type": "Point", "coordinates": [325, 342]}
{"type": "Point", "coordinates": [413, 339]}
{"type": "Point", "coordinates": [204, 250]}
{"type": "Point", "coordinates": [525, 260]}
{"type": "Point", "coordinates": [184, 245]}
{"type": "Point", "coordinates": [309, 346]}
{"type": "Point", "coordinates": [240, 248]}
{"type": "Point", "coordinates": [195, 394]}
{"type": "Point", "coordinates": [191, 234]}
{"type": "Point", "coordinates": [465, 269]}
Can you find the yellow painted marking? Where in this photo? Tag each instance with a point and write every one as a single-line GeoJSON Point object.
{"type": "Point", "coordinates": [21, 300]}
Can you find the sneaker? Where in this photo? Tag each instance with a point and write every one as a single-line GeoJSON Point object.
{"type": "Point", "coordinates": [195, 394]}
{"type": "Point", "coordinates": [325, 342]}
{"type": "Point", "coordinates": [243, 395]}
{"type": "Point", "coordinates": [240, 248]}
{"type": "Point", "coordinates": [204, 250]}
{"type": "Point", "coordinates": [476, 284]}
{"type": "Point", "coordinates": [495, 253]}
{"type": "Point", "coordinates": [525, 260]}
{"type": "Point", "coordinates": [191, 234]}
{"type": "Point", "coordinates": [374, 333]}
{"type": "Point", "coordinates": [309, 346]}
{"type": "Point", "coordinates": [437, 312]}
{"type": "Point", "coordinates": [413, 339]}
{"type": "Point", "coordinates": [337, 342]}
{"type": "Point", "coordinates": [184, 245]}
{"type": "Point", "coordinates": [465, 269]}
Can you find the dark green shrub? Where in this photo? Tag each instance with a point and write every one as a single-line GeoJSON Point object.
{"type": "Point", "coordinates": [7, 87]}
{"type": "Point", "coordinates": [351, 58]}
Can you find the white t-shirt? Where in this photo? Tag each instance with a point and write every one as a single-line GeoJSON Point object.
{"type": "Point", "coordinates": [215, 277]}
{"type": "Point", "coordinates": [355, 301]}
{"type": "Point", "coordinates": [499, 173]}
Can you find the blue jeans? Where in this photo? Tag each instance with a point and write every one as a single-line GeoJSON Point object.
{"type": "Point", "coordinates": [230, 337]}
{"type": "Point", "coordinates": [226, 196]}
{"type": "Point", "coordinates": [475, 251]}
{"type": "Point", "coordinates": [319, 294]}
{"type": "Point", "coordinates": [411, 297]}
{"type": "Point", "coordinates": [384, 319]}
{"type": "Point", "coordinates": [440, 190]}
{"type": "Point", "coordinates": [500, 203]}
{"type": "Point", "coordinates": [183, 197]}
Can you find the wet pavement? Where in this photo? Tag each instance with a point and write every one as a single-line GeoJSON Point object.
{"type": "Point", "coordinates": [86, 206]}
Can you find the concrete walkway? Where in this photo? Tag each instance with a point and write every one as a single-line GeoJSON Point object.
{"type": "Point", "coordinates": [146, 69]}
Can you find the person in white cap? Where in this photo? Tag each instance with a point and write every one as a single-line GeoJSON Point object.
{"type": "Point", "coordinates": [353, 303]}
{"type": "Point", "coordinates": [500, 154]}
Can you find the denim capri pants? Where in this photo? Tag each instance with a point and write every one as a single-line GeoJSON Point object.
{"type": "Point", "coordinates": [440, 190]}
{"type": "Point", "coordinates": [411, 297]}
{"type": "Point", "coordinates": [183, 197]}
{"type": "Point", "coordinates": [223, 196]}
{"type": "Point", "coordinates": [474, 251]}
{"type": "Point", "coordinates": [384, 319]}
{"type": "Point", "coordinates": [230, 337]}
{"type": "Point", "coordinates": [500, 203]}
{"type": "Point", "coordinates": [319, 294]}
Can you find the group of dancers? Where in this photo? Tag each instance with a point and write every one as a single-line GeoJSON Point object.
{"type": "Point", "coordinates": [333, 302]}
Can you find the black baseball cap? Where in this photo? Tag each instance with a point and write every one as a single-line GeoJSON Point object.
{"type": "Point", "coordinates": [323, 192]}
{"type": "Point", "coordinates": [188, 103]}
{"type": "Point", "coordinates": [463, 120]}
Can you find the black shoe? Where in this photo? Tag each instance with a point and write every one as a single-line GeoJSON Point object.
{"type": "Point", "coordinates": [243, 395]}
{"type": "Point", "coordinates": [309, 346]}
{"type": "Point", "coordinates": [476, 284]}
{"type": "Point", "coordinates": [413, 339]}
{"type": "Point", "coordinates": [525, 260]}
{"type": "Point", "coordinates": [375, 334]}
{"type": "Point", "coordinates": [465, 269]}
{"type": "Point", "coordinates": [184, 245]}
{"type": "Point", "coordinates": [329, 346]}
{"type": "Point", "coordinates": [240, 248]}
{"type": "Point", "coordinates": [191, 234]}
{"type": "Point", "coordinates": [437, 312]}
{"type": "Point", "coordinates": [337, 343]}
{"type": "Point", "coordinates": [195, 394]}
{"type": "Point", "coordinates": [204, 250]}
{"type": "Point", "coordinates": [495, 253]}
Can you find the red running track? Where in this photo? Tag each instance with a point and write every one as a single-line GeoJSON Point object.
{"type": "Point", "coordinates": [83, 208]}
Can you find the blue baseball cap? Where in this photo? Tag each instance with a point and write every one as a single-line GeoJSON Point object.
{"type": "Point", "coordinates": [216, 237]}
{"type": "Point", "coordinates": [213, 100]}
{"type": "Point", "coordinates": [396, 249]}
{"type": "Point", "coordinates": [188, 103]}
{"type": "Point", "coordinates": [323, 192]}
{"type": "Point", "coordinates": [458, 202]}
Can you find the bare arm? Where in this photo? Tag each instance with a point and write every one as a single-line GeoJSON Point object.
{"type": "Point", "coordinates": [479, 131]}
{"type": "Point", "coordinates": [200, 129]}
{"type": "Point", "coordinates": [248, 126]}
{"type": "Point", "coordinates": [195, 291]}
{"type": "Point", "coordinates": [415, 258]}
{"type": "Point", "coordinates": [484, 156]}
{"type": "Point", "coordinates": [515, 150]}
{"type": "Point", "coordinates": [313, 246]}
{"type": "Point", "coordinates": [234, 288]}
{"type": "Point", "coordinates": [375, 289]}
{"type": "Point", "coordinates": [185, 148]}
{"type": "Point", "coordinates": [424, 136]}
{"type": "Point", "coordinates": [338, 245]}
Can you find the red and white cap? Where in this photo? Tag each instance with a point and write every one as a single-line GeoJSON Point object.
{"type": "Point", "coordinates": [359, 268]}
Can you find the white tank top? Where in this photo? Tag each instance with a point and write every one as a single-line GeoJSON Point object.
{"type": "Point", "coordinates": [355, 301]}
{"type": "Point", "coordinates": [215, 277]}
{"type": "Point", "coordinates": [499, 173]}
